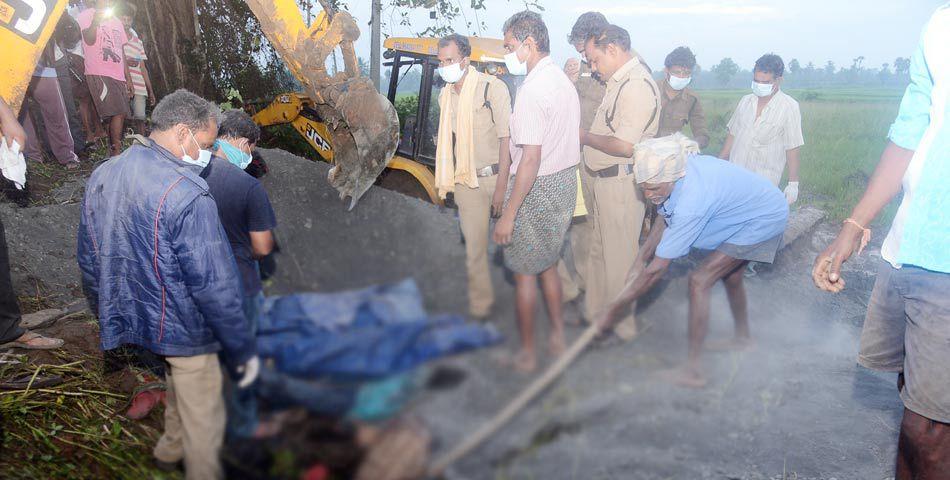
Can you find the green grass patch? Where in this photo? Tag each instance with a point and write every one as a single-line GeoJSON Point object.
{"type": "Point", "coordinates": [70, 430]}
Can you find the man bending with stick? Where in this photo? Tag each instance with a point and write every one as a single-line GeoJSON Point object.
{"type": "Point", "coordinates": [709, 204]}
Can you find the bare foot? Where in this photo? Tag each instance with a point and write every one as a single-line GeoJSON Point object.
{"type": "Point", "coordinates": [556, 345]}
{"type": "Point", "coordinates": [735, 344]}
{"type": "Point", "coordinates": [683, 376]}
{"type": "Point", "coordinates": [522, 362]}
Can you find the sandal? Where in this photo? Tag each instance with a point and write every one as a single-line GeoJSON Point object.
{"type": "Point", "coordinates": [35, 341]}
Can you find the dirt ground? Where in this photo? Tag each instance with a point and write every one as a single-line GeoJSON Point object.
{"type": "Point", "coordinates": [795, 407]}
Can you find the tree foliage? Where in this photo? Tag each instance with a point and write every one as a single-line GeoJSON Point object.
{"type": "Point", "coordinates": [444, 15]}
{"type": "Point", "coordinates": [725, 70]}
{"type": "Point", "coordinates": [209, 47]}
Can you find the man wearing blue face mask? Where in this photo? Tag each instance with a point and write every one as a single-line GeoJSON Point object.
{"type": "Point", "coordinates": [681, 105]}
{"type": "Point", "coordinates": [248, 220]}
{"type": "Point", "coordinates": [158, 272]}
{"type": "Point", "coordinates": [765, 132]}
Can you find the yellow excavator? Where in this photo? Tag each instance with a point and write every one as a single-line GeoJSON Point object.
{"type": "Point", "coordinates": [359, 123]}
{"type": "Point", "coordinates": [25, 27]}
{"type": "Point", "coordinates": [413, 158]}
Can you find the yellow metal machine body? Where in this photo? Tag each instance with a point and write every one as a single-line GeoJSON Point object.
{"type": "Point", "coordinates": [25, 27]}
{"type": "Point", "coordinates": [297, 110]}
{"type": "Point", "coordinates": [360, 124]}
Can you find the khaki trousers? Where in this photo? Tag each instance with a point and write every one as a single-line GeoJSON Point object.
{"type": "Point", "coordinates": [474, 214]}
{"type": "Point", "coordinates": [617, 209]}
{"type": "Point", "coordinates": [194, 416]}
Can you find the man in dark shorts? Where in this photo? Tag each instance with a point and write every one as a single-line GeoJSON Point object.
{"type": "Point", "coordinates": [103, 39]}
{"type": "Point", "coordinates": [907, 328]}
{"type": "Point", "coordinates": [247, 218]}
{"type": "Point", "coordinates": [710, 204]}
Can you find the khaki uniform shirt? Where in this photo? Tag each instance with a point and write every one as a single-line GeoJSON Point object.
{"type": "Point", "coordinates": [590, 91]}
{"type": "Point", "coordinates": [760, 143]}
{"type": "Point", "coordinates": [681, 108]}
{"type": "Point", "coordinates": [629, 111]}
{"type": "Point", "coordinates": [490, 122]}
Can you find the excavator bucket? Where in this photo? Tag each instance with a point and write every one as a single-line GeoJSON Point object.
{"type": "Point", "coordinates": [25, 27]}
{"type": "Point", "coordinates": [363, 124]}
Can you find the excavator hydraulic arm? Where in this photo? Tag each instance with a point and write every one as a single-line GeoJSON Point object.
{"type": "Point", "coordinates": [362, 123]}
{"type": "Point", "coordinates": [25, 27]}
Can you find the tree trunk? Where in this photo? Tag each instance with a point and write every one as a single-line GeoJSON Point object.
{"type": "Point", "coordinates": [169, 29]}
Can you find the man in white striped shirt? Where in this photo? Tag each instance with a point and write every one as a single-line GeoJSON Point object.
{"type": "Point", "coordinates": [137, 73]}
{"type": "Point", "coordinates": [765, 131]}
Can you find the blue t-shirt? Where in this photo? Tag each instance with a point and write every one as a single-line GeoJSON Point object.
{"type": "Point", "coordinates": [720, 202]}
{"type": "Point", "coordinates": [243, 207]}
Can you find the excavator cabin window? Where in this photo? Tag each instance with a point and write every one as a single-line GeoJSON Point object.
{"type": "Point", "coordinates": [418, 138]}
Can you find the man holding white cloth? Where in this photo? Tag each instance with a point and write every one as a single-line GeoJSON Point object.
{"type": "Point", "coordinates": [473, 136]}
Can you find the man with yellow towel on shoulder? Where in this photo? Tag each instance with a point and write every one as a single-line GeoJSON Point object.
{"type": "Point", "coordinates": [473, 136]}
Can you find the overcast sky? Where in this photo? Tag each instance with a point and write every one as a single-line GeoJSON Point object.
{"type": "Point", "coordinates": [809, 30]}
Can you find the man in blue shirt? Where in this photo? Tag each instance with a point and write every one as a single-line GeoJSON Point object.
{"type": "Point", "coordinates": [907, 328]}
{"type": "Point", "coordinates": [710, 204]}
{"type": "Point", "coordinates": [247, 218]}
{"type": "Point", "coordinates": [158, 272]}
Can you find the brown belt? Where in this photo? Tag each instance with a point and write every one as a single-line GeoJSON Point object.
{"type": "Point", "coordinates": [611, 171]}
{"type": "Point", "coordinates": [487, 171]}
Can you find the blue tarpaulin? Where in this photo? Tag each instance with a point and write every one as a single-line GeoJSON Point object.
{"type": "Point", "coordinates": [361, 335]}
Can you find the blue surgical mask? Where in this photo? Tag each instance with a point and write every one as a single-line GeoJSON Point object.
{"type": "Point", "coordinates": [514, 64]}
{"type": "Point", "coordinates": [204, 156]}
{"type": "Point", "coordinates": [761, 89]}
{"type": "Point", "coordinates": [235, 155]}
{"type": "Point", "coordinates": [679, 83]}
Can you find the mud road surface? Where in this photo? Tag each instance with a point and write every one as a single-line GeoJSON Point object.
{"type": "Point", "coordinates": [797, 406]}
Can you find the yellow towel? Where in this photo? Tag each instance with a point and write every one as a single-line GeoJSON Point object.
{"type": "Point", "coordinates": [461, 168]}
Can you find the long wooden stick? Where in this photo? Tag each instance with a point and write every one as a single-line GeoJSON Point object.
{"type": "Point", "coordinates": [515, 406]}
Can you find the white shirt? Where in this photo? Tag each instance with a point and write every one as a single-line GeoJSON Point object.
{"type": "Point", "coordinates": [760, 143]}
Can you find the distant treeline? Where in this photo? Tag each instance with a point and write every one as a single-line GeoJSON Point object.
{"type": "Point", "coordinates": [727, 74]}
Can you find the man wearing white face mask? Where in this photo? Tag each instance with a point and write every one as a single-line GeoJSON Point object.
{"type": "Point", "coordinates": [158, 272]}
{"type": "Point", "coordinates": [681, 105]}
{"type": "Point", "coordinates": [473, 137]}
{"type": "Point", "coordinates": [765, 132]}
{"type": "Point", "coordinates": [542, 189]}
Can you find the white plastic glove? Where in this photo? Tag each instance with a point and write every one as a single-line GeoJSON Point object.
{"type": "Point", "coordinates": [791, 192]}
{"type": "Point", "coordinates": [249, 371]}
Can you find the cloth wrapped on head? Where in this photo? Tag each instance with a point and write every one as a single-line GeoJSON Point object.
{"type": "Point", "coordinates": [663, 159]}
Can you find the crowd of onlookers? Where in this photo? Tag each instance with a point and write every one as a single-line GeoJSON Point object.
{"type": "Point", "coordinates": [90, 84]}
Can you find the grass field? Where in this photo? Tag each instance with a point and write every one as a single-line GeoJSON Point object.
{"type": "Point", "coordinates": [845, 131]}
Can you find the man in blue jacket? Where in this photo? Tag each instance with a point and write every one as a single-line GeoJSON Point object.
{"type": "Point", "coordinates": [159, 273]}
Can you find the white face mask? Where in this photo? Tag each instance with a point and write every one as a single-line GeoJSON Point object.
{"type": "Point", "coordinates": [452, 73]}
{"type": "Point", "coordinates": [516, 66]}
{"type": "Point", "coordinates": [679, 83]}
{"type": "Point", "coordinates": [204, 156]}
{"type": "Point", "coordinates": [762, 89]}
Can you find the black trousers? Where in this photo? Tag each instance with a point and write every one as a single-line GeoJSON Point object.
{"type": "Point", "coordinates": [9, 308]}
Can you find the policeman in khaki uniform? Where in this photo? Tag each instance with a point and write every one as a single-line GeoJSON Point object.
{"type": "Point", "coordinates": [628, 114]}
{"type": "Point", "coordinates": [680, 105]}
{"type": "Point", "coordinates": [475, 111]}
{"type": "Point", "coordinates": [590, 91]}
